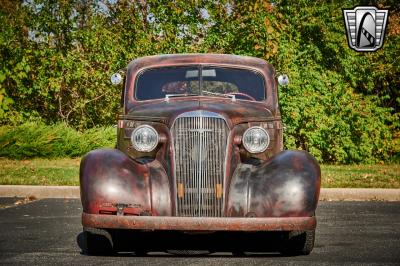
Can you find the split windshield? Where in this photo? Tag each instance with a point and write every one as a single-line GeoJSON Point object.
{"type": "Point", "coordinates": [212, 81]}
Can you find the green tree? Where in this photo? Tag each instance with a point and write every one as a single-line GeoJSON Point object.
{"type": "Point", "coordinates": [341, 105]}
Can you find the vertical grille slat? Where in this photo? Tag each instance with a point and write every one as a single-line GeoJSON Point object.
{"type": "Point", "coordinates": [200, 140]}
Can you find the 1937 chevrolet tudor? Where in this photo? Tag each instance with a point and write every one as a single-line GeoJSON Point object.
{"type": "Point", "coordinates": [199, 150]}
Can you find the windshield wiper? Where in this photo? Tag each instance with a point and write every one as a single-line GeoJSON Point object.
{"type": "Point", "coordinates": [167, 96]}
{"type": "Point", "coordinates": [233, 97]}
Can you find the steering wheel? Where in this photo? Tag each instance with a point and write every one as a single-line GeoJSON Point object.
{"type": "Point", "coordinates": [245, 95]}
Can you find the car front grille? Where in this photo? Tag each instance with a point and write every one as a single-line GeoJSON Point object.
{"type": "Point", "coordinates": [199, 139]}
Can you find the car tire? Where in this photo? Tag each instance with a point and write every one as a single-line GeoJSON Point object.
{"type": "Point", "coordinates": [299, 243]}
{"type": "Point", "coordinates": [96, 242]}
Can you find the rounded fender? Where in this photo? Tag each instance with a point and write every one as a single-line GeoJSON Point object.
{"type": "Point", "coordinates": [287, 185]}
{"type": "Point", "coordinates": [109, 178]}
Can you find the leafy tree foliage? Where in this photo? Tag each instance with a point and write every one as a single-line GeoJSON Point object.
{"type": "Point", "coordinates": [56, 58]}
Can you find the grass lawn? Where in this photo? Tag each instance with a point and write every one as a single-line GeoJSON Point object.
{"type": "Point", "coordinates": [361, 176]}
{"type": "Point", "coordinates": [39, 172]}
{"type": "Point", "coordinates": [66, 172]}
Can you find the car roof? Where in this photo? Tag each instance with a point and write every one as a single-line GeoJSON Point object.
{"type": "Point", "coordinates": [214, 59]}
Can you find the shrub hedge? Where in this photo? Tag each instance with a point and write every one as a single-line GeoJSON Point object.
{"type": "Point", "coordinates": [36, 139]}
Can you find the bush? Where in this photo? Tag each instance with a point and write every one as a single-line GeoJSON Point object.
{"type": "Point", "coordinates": [36, 139]}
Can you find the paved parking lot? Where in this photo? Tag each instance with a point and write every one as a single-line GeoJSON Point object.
{"type": "Point", "coordinates": [45, 231]}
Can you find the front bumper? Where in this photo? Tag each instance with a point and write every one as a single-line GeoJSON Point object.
{"type": "Point", "coordinates": [198, 223]}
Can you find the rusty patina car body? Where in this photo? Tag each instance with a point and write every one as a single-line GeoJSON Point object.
{"type": "Point", "coordinates": [200, 177]}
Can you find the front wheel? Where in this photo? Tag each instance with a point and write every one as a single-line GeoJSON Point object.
{"type": "Point", "coordinates": [299, 243]}
{"type": "Point", "coordinates": [96, 242]}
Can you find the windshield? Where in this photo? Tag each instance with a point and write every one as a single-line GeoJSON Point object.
{"type": "Point", "coordinates": [215, 81]}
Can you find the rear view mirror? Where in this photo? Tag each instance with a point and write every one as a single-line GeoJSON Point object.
{"type": "Point", "coordinates": [204, 73]}
{"type": "Point", "coordinates": [116, 79]}
{"type": "Point", "coordinates": [283, 80]}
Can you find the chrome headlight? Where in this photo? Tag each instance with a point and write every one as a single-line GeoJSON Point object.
{"type": "Point", "coordinates": [255, 140]}
{"type": "Point", "coordinates": [144, 138]}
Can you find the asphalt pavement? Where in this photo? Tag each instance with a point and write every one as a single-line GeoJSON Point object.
{"type": "Point", "coordinates": [44, 232]}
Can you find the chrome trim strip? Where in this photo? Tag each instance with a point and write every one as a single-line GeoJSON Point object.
{"type": "Point", "coordinates": [200, 113]}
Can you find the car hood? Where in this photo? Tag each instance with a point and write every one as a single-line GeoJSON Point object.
{"type": "Point", "coordinates": [235, 112]}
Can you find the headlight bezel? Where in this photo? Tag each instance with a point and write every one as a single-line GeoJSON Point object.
{"type": "Point", "coordinates": [144, 149]}
{"type": "Point", "coordinates": [246, 145]}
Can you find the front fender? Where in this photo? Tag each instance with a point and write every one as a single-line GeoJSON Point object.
{"type": "Point", "coordinates": [108, 177]}
{"type": "Point", "coordinates": [287, 185]}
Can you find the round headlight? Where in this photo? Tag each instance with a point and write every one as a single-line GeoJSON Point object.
{"type": "Point", "coordinates": [144, 138]}
{"type": "Point", "coordinates": [255, 140]}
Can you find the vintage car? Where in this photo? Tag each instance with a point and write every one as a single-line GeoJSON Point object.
{"type": "Point", "coordinates": [199, 152]}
